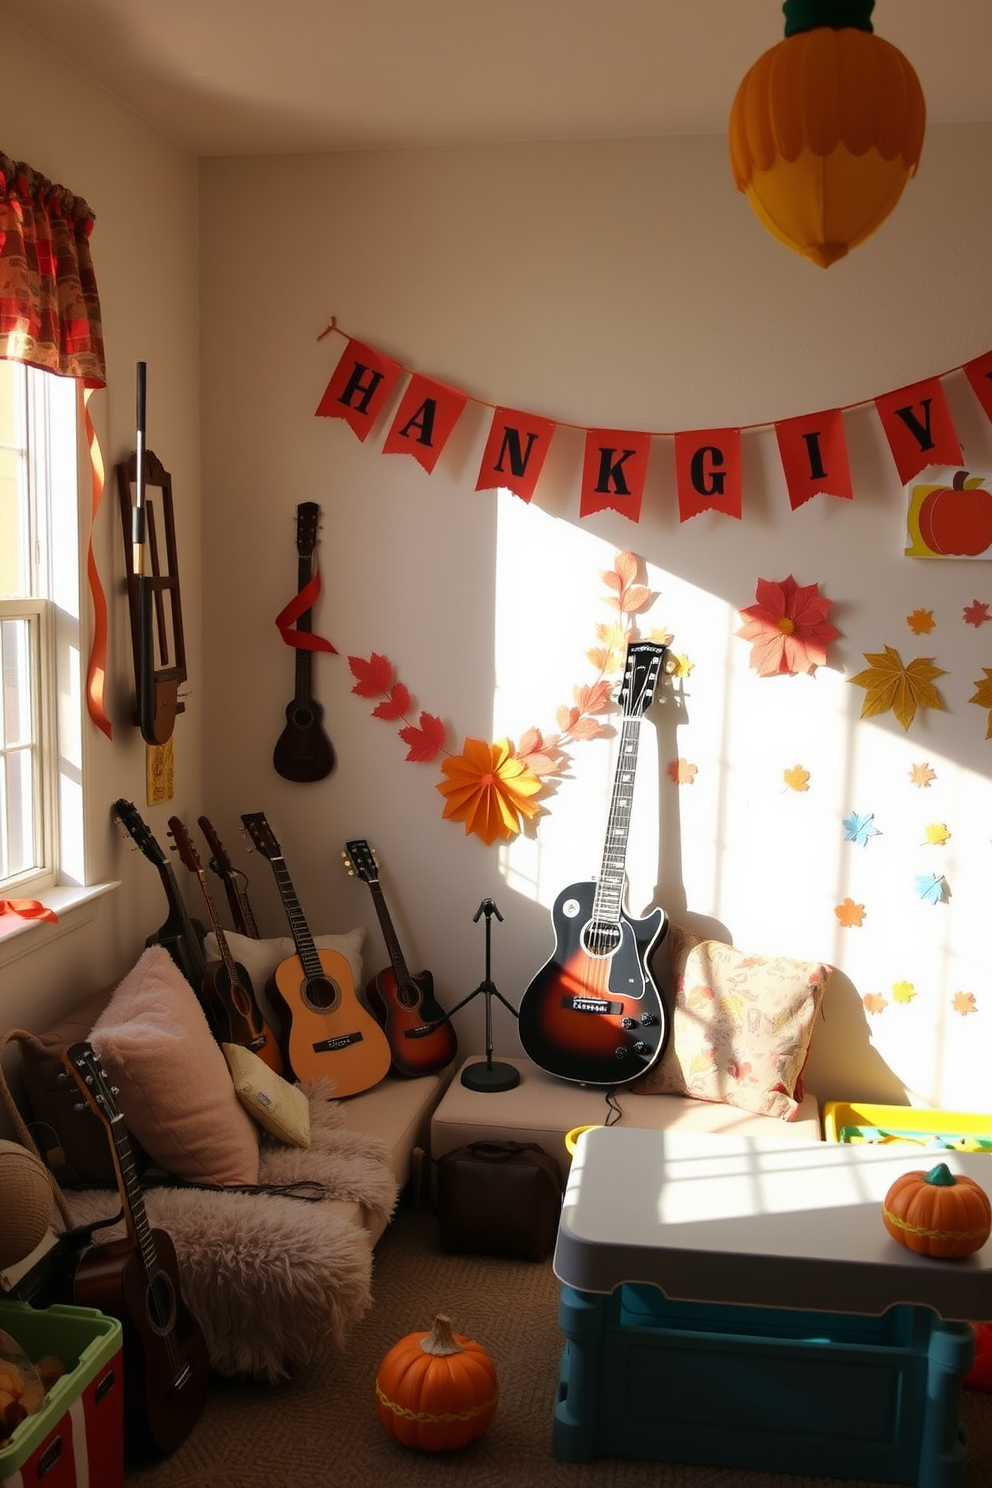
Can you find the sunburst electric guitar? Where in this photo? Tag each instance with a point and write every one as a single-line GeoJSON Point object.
{"type": "Point", "coordinates": [226, 985]}
{"type": "Point", "coordinates": [594, 1013]}
{"type": "Point", "coordinates": [420, 1037]}
{"type": "Point", "coordinates": [136, 1280]}
{"type": "Point", "coordinates": [325, 1029]}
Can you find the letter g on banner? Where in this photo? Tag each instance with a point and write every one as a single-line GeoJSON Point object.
{"type": "Point", "coordinates": [708, 472]}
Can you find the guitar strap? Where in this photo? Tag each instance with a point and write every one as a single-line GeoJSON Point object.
{"type": "Point", "coordinates": [307, 1189]}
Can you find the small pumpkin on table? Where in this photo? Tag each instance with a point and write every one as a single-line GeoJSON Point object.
{"type": "Point", "coordinates": [938, 1213]}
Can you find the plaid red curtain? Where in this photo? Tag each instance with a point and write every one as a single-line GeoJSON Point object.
{"type": "Point", "coordinates": [49, 305]}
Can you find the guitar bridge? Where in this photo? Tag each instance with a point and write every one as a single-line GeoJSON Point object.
{"type": "Point", "coordinates": [343, 1040]}
{"type": "Point", "coordinates": [580, 1004]}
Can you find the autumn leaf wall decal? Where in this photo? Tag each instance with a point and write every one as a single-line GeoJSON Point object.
{"type": "Point", "coordinates": [983, 697]}
{"type": "Point", "coordinates": [889, 683]}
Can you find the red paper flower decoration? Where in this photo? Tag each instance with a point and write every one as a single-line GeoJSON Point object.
{"type": "Point", "coordinates": [787, 628]}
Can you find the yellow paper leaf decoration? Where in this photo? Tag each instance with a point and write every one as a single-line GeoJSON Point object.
{"type": "Point", "coordinates": [937, 834]}
{"type": "Point", "coordinates": [797, 778]}
{"type": "Point", "coordinates": [903, 991]}
{"type": "Point", "coordinates": [890, 683]}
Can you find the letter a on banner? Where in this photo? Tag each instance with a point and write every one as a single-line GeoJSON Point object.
{"type": "Point", "coordinates": [360, 384]}
{"type": "Point", "coordinates": [814, 456]}
{"type": "Point", "coordinates": [515, 452]}
{"type": "Point", "coordinates": [919, 428]}
{"type": "Point", "coordinates": [613, 472]}
{"type": "Point", "coordinates": [708, 472]}
{"type": "Point", "coordinates": [427, 414]}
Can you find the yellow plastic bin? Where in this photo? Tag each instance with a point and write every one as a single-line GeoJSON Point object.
{"type": "Point", "coordinates": [909, 1126]}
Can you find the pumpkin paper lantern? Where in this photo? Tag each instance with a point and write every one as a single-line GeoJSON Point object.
{"type": "Point", "coordinates": [826, 129]}
{"type": "Point", "coordinates": [436, 1390]}
{"type": "Point", "coordinates": [939, 1213]}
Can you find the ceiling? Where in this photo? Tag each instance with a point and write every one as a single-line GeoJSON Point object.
{"type": "Point", "coordinates": [246, 77]}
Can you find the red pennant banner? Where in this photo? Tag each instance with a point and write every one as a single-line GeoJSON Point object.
{"type": "Point", "coordinates": [813, 450]}
{"type": "Point", "coordinates": [614, 470]}
{"type": "Point", "coordinates": [359, 387]}
{"type": "Point", "coordinates": [515, 452]}
{"type": "Point", "coordinates": [919, 428]}
{"type": "Point", "coordinates": [427, 414]}
{"type": "Point", "coordinates": [708, 472]}
{"type": "Point", "coordinates": [979, 374]}
{"type": "Point", "coordinates": [303, 640]}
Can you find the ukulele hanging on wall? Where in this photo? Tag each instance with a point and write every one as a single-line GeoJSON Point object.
{"type": "Point", "coordinates": [303, 751]}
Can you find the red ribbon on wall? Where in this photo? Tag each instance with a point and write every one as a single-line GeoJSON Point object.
{"type": "Point", "coordinates": [303, 640]}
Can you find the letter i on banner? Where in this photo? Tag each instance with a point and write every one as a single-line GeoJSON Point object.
{"type": "Point", "coordinates": [813, 451]}
{"type": "Point", "coordinates": [515, 452]}
{"type": "Point", "coordinates": [428, 412]}
{"type": "Point", "coordinates": [708, 472]}
{"type": "Point", "coordinates": [919, 428]}
{"type": "Point", "coordinates": [614, 470]}
{"type": "Point", "coordinates": [359, 387]}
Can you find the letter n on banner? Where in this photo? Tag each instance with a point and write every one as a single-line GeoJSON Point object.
{"type": "Point", "coordinates": [515, 452]}
{"type": "Point", "coordinates": [979, 374]}
{"type": "Point", "coordinates": [919, 428]}
{"type": "Point", "coordinates": [814, 456]}
{"type": "Point", "coordinates": [708, 472]}
{"type": "Point", "coordinates": [360, 384]}
{"type": "Point", "coordinates": [613, 472]}
{"type": "Point", "coordinates": [427, 414]}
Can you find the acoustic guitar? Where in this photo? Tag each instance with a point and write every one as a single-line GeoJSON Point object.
{"type": "Point", "coordinates": [420, 1037]}
{"type": "Point", "coordinates": [227, 985]}
{"type": "Point", "coordinates": [181, 936]}
{"type": "Point", "coordinates": [325, 1029]}
{"type": "Point", "coordinates": [136, 1280]}
{"type": "Point", "coordinates": [235, 882]}
{"type": "Point", "coordinates": [303, 751]}
{"type": "Point", "coordinates": [594, 1013]}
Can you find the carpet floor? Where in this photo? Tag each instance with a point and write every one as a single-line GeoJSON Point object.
{"type": "Point", "coordinates": [322, 1429]}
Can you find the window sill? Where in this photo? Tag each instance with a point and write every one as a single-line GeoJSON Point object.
{"type": "Point", "coordinates": [74, 906]}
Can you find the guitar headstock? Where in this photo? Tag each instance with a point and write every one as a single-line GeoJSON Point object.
{"type": "Point", "coordinates": [131, 821]}
{"type": "Point", "coordinates": [87, 1071]}
{"type": "Point", "coordinates": [261, 834]}
{"type": "Point", "coordinates": [640, 677]}
{"type": "Point", "coordinates": [359, 859]}
{"type": "Point", "coordinates": [219, 860]}
{"type": "Point", "coordinates": [307, 519]}
{"type": "Point", "coordinates": [188, 854]}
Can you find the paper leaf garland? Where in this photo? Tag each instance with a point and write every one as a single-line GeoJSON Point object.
{"type": "Point", "coordinates": [889, 683]}
{"type": "Point", "coordinates": [787, 628]}
{"type": "Point", "coordinates": [931, 887]}
{"type": "Point", "coordinates": [983, 697]}
{"type": "Point", "coordinates": [859, 828]}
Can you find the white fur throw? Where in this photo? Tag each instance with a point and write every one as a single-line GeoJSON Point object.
{"type": "Point", "coordinates": [273, 1281]}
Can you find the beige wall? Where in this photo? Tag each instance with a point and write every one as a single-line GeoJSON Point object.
{"type": "Point", "coordinates": [620, 284]}
{"type": "Point", "coordinates": [144, 194]}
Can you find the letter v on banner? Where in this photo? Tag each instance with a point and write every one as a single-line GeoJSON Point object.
{"type": "Point", "coordinates": [359, 387]}
{"type": "Point", "coordinates": [708, 472]}
{"type": "Point", "coordinates": [813, 451]}
{"type": "Point", "coordinates": [515, 452]}
{"type": "Point", "coordinates": [614, 470]}
{"type": "Point", "coordinates": [427, 414]}
{"type": "Point", "coordinates": [919, 428]}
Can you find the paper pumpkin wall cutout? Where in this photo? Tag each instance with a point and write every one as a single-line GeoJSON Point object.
{"type": "Point", "coordinates": [950, 516]}
{"type": "Point", "coordinates": [826, 129]}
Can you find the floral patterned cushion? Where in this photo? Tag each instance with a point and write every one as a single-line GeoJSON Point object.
{"type": "Point", "coordinates": [741, 1029]}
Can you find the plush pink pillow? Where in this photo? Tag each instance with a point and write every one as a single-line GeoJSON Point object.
{"type": "Point", "coordinates": [741, 1029]}
{"type": "Point", "coordinates": [174, 1088]}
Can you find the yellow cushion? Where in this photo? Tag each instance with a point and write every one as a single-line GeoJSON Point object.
{"type": "Point", "coordinates": [282, 1109]}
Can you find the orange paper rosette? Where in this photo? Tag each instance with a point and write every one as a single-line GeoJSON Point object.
{"type": "Point", "coordinates": [489, 789]}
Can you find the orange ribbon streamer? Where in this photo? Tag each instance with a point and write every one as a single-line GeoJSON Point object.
{"type": "Point", "coordinates": [96, 674]}
{"type": "Point", "coordinates": [28, 909]}
{"type": "Point", "coordinates": [303, 640]}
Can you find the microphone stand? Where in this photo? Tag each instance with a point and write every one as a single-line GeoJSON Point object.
{"type": "Point", "coordinates": [489, 1076]}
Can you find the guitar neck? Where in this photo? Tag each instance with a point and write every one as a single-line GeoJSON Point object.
{"type": "Point", "coordinates": [608, 899]}
{"type": "Point", "coordinates": [300, 930]}
{"type": "Point", "coordinates": [304, 657]}
{"type": "Point", "coordinates": [241, 910]}
{"type": "Point", "coordinates": [135, 1214]}
{"type": "Point", "coordinates": [189, 941]}
{"type": "Point", "coordinates": [396, 960]}
{"type": "Point", "coordinates": [215, 925]}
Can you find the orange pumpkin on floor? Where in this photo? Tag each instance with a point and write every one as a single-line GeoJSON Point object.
{"type": "Point", "coordinates": [436, 1390]}
{"type": "Point", "coordinates": [939, 1213]}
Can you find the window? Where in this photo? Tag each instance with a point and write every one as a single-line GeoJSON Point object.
{"type": "Point", "coordinates": [40, 725]}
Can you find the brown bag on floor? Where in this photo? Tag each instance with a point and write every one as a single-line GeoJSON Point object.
{"type": "Point", "coordinates": [499, 1199]}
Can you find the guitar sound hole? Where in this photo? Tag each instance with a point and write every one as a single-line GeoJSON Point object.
{"type": "Point", "coordinates": [321, 994]}
{"type": "Point", "coordinates": [601, 937]}
{"type": "Point", "coordinates": [303, 718]}
{"type": "Point", "coordinates": [161, 1304]}
{"type": "Point", "coordinates": [407, 995]}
